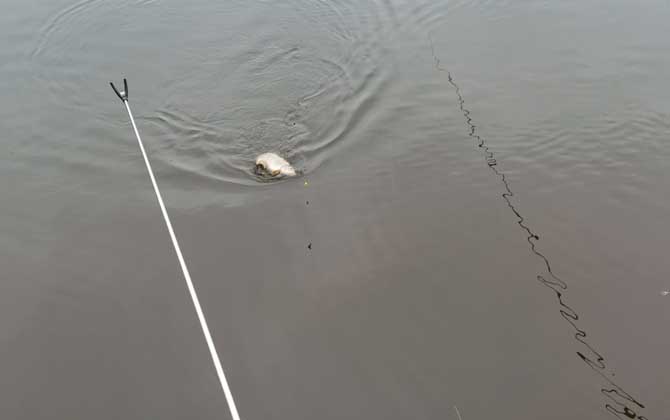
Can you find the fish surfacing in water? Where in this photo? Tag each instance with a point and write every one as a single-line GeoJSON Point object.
{"type": "Point", "coordinates": [274, 165]}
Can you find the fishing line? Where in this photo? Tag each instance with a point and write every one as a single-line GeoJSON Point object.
{"type": "Point", "coordinates": [621, 402]}
{"type": "Point", "coordinates": [123, 95]}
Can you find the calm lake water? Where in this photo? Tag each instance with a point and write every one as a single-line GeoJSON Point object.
{"type": "Point", "coordinates": [481, 228]}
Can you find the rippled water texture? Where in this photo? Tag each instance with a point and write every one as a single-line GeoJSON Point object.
{"type": "Point", "coordinates": [478, 230]}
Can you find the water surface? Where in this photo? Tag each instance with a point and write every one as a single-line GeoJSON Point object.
{"type": "Point", "coordinates": [481, 223]}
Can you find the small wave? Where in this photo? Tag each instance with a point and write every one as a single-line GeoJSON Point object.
{"type": "Point", "coordinates": [59, 20]}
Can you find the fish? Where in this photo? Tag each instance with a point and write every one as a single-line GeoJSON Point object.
{"type": "Point", "coordinates": [274, 165]}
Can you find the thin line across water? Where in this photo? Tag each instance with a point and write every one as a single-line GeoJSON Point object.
{"type": "Point", "coordinates": [620, 403]}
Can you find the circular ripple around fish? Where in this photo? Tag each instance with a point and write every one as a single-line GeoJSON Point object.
{"type": "Point", "coordinates": [219, 107]}
{"type": "Point", "coordinates": [322, 102]}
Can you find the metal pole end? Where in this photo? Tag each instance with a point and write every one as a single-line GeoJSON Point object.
{"type": "Point", "coordinates": [123, 95]}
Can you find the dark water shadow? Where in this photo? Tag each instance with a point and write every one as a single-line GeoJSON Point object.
{"type": "Point", "coordinates": [619, 402]}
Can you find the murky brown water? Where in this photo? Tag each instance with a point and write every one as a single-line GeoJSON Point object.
{"type": "Point", "coordinates": [484, 194]}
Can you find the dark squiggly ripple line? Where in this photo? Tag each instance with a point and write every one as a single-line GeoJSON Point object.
{"type": "Point", "coordinates": [620, 403]}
